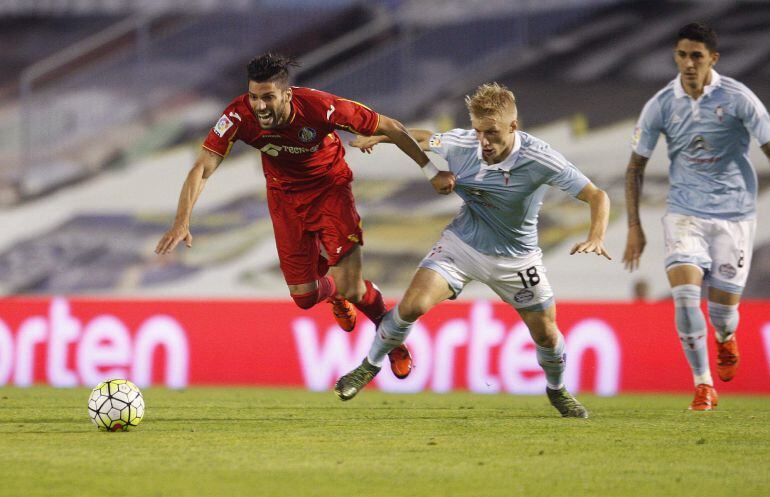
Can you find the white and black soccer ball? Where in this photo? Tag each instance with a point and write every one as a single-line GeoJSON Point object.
{"type": "Point", "coordinates": [116, 405]}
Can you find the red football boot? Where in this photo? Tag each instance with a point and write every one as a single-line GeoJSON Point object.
{"type": "Point", "coordinates": [706, 398]}
{"type": "Point", "coordinates": [344, 312]}
{"type": "Point", "coordinates": [400, 361]}
{"type": "Point", "coordinates": [727, 359]}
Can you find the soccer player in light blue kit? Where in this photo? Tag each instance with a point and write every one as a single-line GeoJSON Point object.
{"type": "Point", "coordinates": [711, 214]}
{"type": "Point", "coordinates": [502, 175]}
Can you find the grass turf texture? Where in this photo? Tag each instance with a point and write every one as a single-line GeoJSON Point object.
{"type": "Point", "coordinates": [239, 441]}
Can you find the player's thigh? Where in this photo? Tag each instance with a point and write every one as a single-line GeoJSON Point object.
{"type": "Point", "coordinates": [334, 217]}
{"type": "Point", "coordinates": [299, 251]}
{"type": "Point", "coordinates": [453, 260]}
{"type": "Point", "coordinates": [427, 289]}
{"type": "Point", "coordinates": [684, 274]}
{"type": "Point", "coordinates": [542, 325]}
{"type": "Point", "coordinates": [730, 246]}
{"type": "Point", "coordinates": [686, 241]}
{"type": "Point", "coordinates": [521, 282]}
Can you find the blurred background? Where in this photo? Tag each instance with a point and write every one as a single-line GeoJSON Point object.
{"type": "Point", "coordinates": [104, 105]}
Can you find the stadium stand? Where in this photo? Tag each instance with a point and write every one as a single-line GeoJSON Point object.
{"type": "Point", "coordinates": [581, 76]}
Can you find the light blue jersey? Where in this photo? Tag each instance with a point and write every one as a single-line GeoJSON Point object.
{"type": "Point", "coordinates": [708, 146]}
{"type": "Point", "coordinates": [502, 201]}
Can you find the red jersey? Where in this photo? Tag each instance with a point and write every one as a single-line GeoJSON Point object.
{"type": "Point", "coordinates": [305, 152]}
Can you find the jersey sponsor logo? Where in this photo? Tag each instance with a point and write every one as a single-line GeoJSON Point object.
{"type": "Point", "coordinates": [727, 270]}
{"type": "Point", "coordinates": [273, 150]}
{"type": "Point", "coordinates": [480, 197]}
{"type": "Point", "coordinates": [221, 127]}
{"type": "Point", "coordinates": [524, 296]}
{"type": "Point", "coordinates": [699, 144]}
{"type": "Point", "coordinates": [307, 134]}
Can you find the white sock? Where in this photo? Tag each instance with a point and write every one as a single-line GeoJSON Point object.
{"type": "Point", "coordinates": [553, 362]}
{"type": "Point", "coordinates": [691, 327]}
{"type": "Point", "coordinates": [391, 333]}
{"type": "Point", "coordinates": [725, 319]}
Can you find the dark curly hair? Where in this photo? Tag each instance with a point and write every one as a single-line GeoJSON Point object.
{"type": "Point", "coordinates": [271, 67]}
{"type": "Point", "coordinates": [699, 31]}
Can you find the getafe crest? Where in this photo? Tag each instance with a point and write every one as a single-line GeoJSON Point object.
{"type": "Point", "coordinates": [307, 134]}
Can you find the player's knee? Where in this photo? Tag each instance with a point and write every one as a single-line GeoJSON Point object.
{"type": "Point", "coordinates": [306, 300]}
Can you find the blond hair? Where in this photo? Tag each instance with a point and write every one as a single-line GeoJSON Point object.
{"type": "Point", "coordinates": [491, 100]}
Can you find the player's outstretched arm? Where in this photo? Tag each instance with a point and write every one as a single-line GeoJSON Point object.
{"type": "Point", "coordinates": [635, 241]}
{"type": "Point", "coordinates": [599, 202]}
{"type": "Point", "coordinates": [367, 143]}
{"type": "Point", "coordinates": [205, 165]}
{"type": "Point", "coordinates": [443, 181]}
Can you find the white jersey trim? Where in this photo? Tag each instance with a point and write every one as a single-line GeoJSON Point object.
{"type": "Point", "coordinates": [550, 161]}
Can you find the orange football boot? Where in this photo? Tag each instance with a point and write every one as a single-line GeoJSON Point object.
{"type": "Point", "coordinates": [706, 398]}
{"type": "Point", "coordinates": [344, 312]}
{"type": "Point", "coordinates": [727, 359]}
{"type": "Point", "coordinates": [400, 361]}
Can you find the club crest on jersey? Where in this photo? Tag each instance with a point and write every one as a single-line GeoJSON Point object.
{"type": "Point", "coordinates": [720, 112]}
{"type": "Point", "coordinates": [221, 127]}
{"type": "Point", "coordinates": [307, 134]}
{"type": "Point", "coordinates": [728, 271]}
{"type": "Point", "coordinates": [523, 296]}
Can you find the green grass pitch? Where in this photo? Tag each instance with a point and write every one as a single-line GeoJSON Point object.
{"type": "Point", "coordinates": [275, 442]}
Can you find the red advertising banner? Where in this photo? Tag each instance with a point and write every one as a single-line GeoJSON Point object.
{"type": "Point", "coordinates": [479, 346]}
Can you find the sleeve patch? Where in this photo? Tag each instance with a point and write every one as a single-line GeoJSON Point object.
{"type": "Point", "coordinates": [222, 126]}
{"type": "Point", "coordinates": [435, 141]}
{"type": "Point", "coordinates": [637, 135]}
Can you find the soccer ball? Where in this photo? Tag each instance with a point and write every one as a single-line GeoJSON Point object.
{"type": "Point", "coordinates": [116, 405]}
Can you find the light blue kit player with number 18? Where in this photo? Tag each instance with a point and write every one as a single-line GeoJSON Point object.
{"type": "Point", "coordinates": [502, 175]}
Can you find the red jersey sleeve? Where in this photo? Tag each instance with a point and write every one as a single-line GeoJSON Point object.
{"type": "Point", "coordinates": [224, 132]}
{"type": "Point", "coordinates": [352, 116]}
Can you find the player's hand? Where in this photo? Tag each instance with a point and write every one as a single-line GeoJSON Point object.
{"type": "Point", "coordinates": [443, 182]}
{"type": "Point", "coordinates": [365, 143]}
{"type": "Point", "coordinates": [173, 236]}
{"type": "Point", "coordinates": [634, 247]}
{"type": "Point", "coordinates": [591, 246]}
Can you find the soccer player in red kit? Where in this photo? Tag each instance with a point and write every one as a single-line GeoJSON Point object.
{"type": "Point", "coordinates": [308, 187]}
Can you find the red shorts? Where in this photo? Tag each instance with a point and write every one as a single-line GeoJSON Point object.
{"type": "Point", "coordinates": [305, 221]}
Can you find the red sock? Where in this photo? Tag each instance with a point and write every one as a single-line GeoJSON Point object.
{"type": "Point", "coordinates": [372, 304]}
{"type": "Point", "coordinates": [326, 288]}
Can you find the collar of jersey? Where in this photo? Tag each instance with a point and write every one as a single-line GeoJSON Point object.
{"type": "Point", "coordinates": [507, 163]}
{"type": "Point", "coordinates": [716, 82]}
